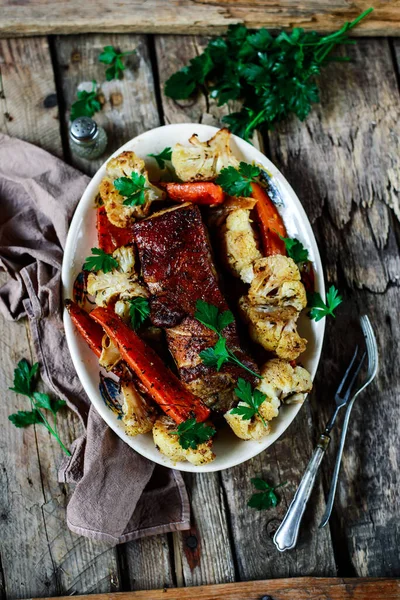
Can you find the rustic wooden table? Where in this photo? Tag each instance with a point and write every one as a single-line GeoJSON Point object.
{"type": "Point", "coordinates": [344, 163]}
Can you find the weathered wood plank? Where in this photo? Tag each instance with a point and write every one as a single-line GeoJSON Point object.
{"type": "Point", "coordinates": [28, 100]}
{"type": "Point", "coordinates": [129, 105]}
{"type": "Point", "coordinates": [190, 16]}
{"type": "Point", "coordinates": [344, 164]}
{"type": "Point", "coordinates": [255, 553]}
{"type": "Point", "coordinates": [148, 563]}
{"type": "Point", "coordinates": [306, 588]}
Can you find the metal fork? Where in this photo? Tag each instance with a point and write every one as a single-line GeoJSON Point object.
{"type": "Point", "coordinates": [372, 352]}
{"type": "Point", "coordinates": [285, 537]}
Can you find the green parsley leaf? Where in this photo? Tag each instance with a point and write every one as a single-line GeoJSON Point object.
{"type": "Point", "coordinates": [319, 309]}
{"type": "Point", "coordinates": [133, 188]}
{"type": "Point", "coordinates": [211, 317]}
{"type": "Point", "coordinates": [216, 356]}
{"type": "Point", "coordinates": [44, 401]}
{"type": "Point", "coordinates": [24, 418]}
{"type": "Point", "coordinates": [86, 105]}
{"type": "Point", "coordinates": [274, 76]}
{"type": "Point", "coordinates": [252, 399]}
{"type": "Point", "coordinates": [24, 377]}
{"type": "Point", "coordinates": [111, 56]}
{"type": "Point", "coordinates": [191, 433]}
{"type": "Point", "coordinates": [237, 182]}
{"type": "Point", "coordinates": [100, 261]}
{"type": "Point", "coordinates": [266, 498]}
{"type": "Point", "coordinates": [139, 310]}
{"type": "Point", "coordinates": [163, 156]}
{"type": "Point", "coordinates": [295, 249]}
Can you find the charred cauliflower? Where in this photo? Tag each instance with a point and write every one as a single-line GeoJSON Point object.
{"type": "Point", "coordinates": [283, 383]}
{"type": "Point", "coordinates": [123, 165]}
{"type": "Point", "coordinates": [203, 161]}
{"type": "Point", "coordinates": [168, 444]}
{"type": "Point", "coordinates": [138, 415]}
{"type": "Point", "coordinates": [239, 244]}
{"type": "Point", "coordinates": [277, 282]}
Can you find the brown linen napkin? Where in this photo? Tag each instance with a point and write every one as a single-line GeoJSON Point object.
{"type": "Point", "coordinates": [120, 495]}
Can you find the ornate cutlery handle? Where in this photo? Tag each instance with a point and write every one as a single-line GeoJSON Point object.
{"type": "Point", "coordinates": [286, 536]}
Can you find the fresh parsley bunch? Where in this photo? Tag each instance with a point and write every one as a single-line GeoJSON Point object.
{"type": "Point", "coordinates": [25, 383]}
{"type": "Point", "coordinates": [318, 308]}
{"type": "Point", "coordinates": [114, 58]}
{"type": "Point", "coordinates": [191, 433]}
{"type": "Point", "coordinates": [100, 261]}
{"type": "Point", "coordinates": [251, 401]}
{"type": "Point", "coordinates": [163, 157]}
{"type": "Point", "coordinates": [87, 104]}
{"type": "Point", "coordinates": [266, 498]}
{"type": "Point", "coordinates": [139, 310]}
{"type": "Point", "coordinates": [274, 76]}
{"type": "Point", "coordinates": [132, 188]}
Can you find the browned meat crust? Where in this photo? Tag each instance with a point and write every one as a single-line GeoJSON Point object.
{"type": "Point", "coordinates": [178, 269]}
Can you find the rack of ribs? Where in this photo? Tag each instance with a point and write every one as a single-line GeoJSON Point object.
{"type": "Point", "coordinates": [178, 269]}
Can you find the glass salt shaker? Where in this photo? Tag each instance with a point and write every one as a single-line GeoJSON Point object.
{"type": "Point", "coordinates": [87, 139]}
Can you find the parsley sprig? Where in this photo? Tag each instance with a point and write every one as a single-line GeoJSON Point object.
{"type": "Point", "coordinates": [111, 56]}
{"type": "Point", "coordinates": [24, 384]}
{"type": "Point", "coordinates": [164, 156]}
{"type": "Point", "coordinates": [100, 261]}
{"type": "Point", "coordinates": [273, 76]}
{"type": "Point", "coordinates": [295, 250]}
{"type": "Point", "coordinates": [132, 188]}
{"type": "Point", "coordinates": [237, 182]}
{"type": "Point", "coordinates": [252, 400]}
{"type": "Point", "coordinates": [218, 355]}
{"type": "Point", "coordinates": [266, 498]}
{"type": "Point", "coordinates": [191, 433]}
{"type": "Point", "coordinates": [139, 310]}
{"type": "Point", "coordinates": [87, 104]}
{"type": "Point", "coordinates": [319, 309]}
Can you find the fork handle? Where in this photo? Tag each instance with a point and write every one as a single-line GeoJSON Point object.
{"type": "Point", "coordinates": [285, 537]}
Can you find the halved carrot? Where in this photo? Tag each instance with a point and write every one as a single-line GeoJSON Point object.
{"type": "Point", "coordinates": [91, 332]}
{"type": "Point", "coordinates": [109, 236]}
{"type": "Point", "coordinates": [270, 222]}
{"type": "Point", "coordinates": [161, 384]}
{"type": "Point", "coordinates": [198, 192]}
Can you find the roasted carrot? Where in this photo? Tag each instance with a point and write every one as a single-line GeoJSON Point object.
{"type": "Point", "coordinates": [161, 384]}
{"type": "Point", "coordinates": [109, 236]}
{"type": "Point", "coordinates": [270, 222]}
{"type": "Point", "coordinates": [91, 332]}
{"type": "Point", "coordinates": [198, 192]}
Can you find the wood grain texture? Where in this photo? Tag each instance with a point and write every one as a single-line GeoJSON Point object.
{"type": "Point", "coordinates": [28, 100]}
{"type": "Point", "coordinates": [344, 164]}
{"type": "Point", "coordinates": [147, 564]}
{"type": "Point", "coordinates": [129, 105]}
{"type": "Point", "coordinates": [191, 16]}
{"type": "Point", "coordinates": [252, 532]}
{"type": "Point", "coordinates": [306, 588]}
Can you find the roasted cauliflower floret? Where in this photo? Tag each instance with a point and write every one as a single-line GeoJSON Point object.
{"type": "Point", "coordinates": [138, 414]}
{"type": "Point", "coordinates": [283, 383]}
{"type": "Point", "coordinates": [202, 161]}
{"type": "Point", "coordinates": [239, 244]}
{"type": "Point", "coordinates": [247, 429]}
{"type": "Point", "coordinates": [168, 444]}
{"type": "Point", "coordinates": [126, 259]}
{"type": "Point", "coordinates": [123, 165]}
{"type": "Point", "coordinates": [277, 282]}
{"type": "Point", "coordinates": [110, 355]}
{"type": "Point", "coordinates": [274, 328]}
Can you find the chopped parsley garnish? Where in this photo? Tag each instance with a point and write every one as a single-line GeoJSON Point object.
{"type": "Point", "coordinates": [266, 498]}
{"type": "Point", "coordinates": [237, 182]}
{"type": "Point", "coordinates": [100, 261]}
{"type": "Point", "coordinates": [86, 105]}
{"type": "Point", "coordinates": [139, 310]}
{"type": "Point", "coordinates": [162, 157]}
{"type": "Point", "coordinates": [132, 188]}
{"type": "Point", "coordinates": [319, 309]}
{"type": "Point", "coordinates": [191, 433]}
{"type": "Point", "coordinates": [252, 399]}
{"type": "Point", "coordinates": [111, 56]}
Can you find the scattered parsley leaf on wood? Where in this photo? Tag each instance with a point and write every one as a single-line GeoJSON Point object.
{"type": "Point", "coordinates": [216, 356]}
{"type": "Point", "coordinates": [266, 498]}
{"type": "Point", "coordinates": [111, 56]}
{"type": "Point", "coordinates": [319, 309]}
{"type": "Point", "coordinates": [274, 76]}
{"type": "Point", "coordinates": [191, 433]}
{"type": "Point", "coordinates": [295, 249]}
{"type": "Point", "coordinates": [139, 310]}
{"type": "Point", "coordinates": [237, 182]}
{"type": "Point", "coordinates": [25, 383]}
{"type": "Point", "coordinates": [252, 399]}
{"type": "Point", "coordinates": [132, 188]}
{"type": "Point", "coordinates": [162, 157]}
{"type": "Point", "coordinates": [100, 261]}
{"type": "Point", "coordinates": [86, 105]}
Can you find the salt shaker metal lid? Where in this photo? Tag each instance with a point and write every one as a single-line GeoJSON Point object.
{"type": "Point", "coordinates": [84, 130]}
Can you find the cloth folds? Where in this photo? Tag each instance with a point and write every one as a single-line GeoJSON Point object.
{"type": "Point", "coordinates": [120, 495]}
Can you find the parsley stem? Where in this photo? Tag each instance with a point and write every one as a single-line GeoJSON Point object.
{"type": "Point", "coordinates": [49, 428]}
{"type": "Point", "coordinates": [240, 364]}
